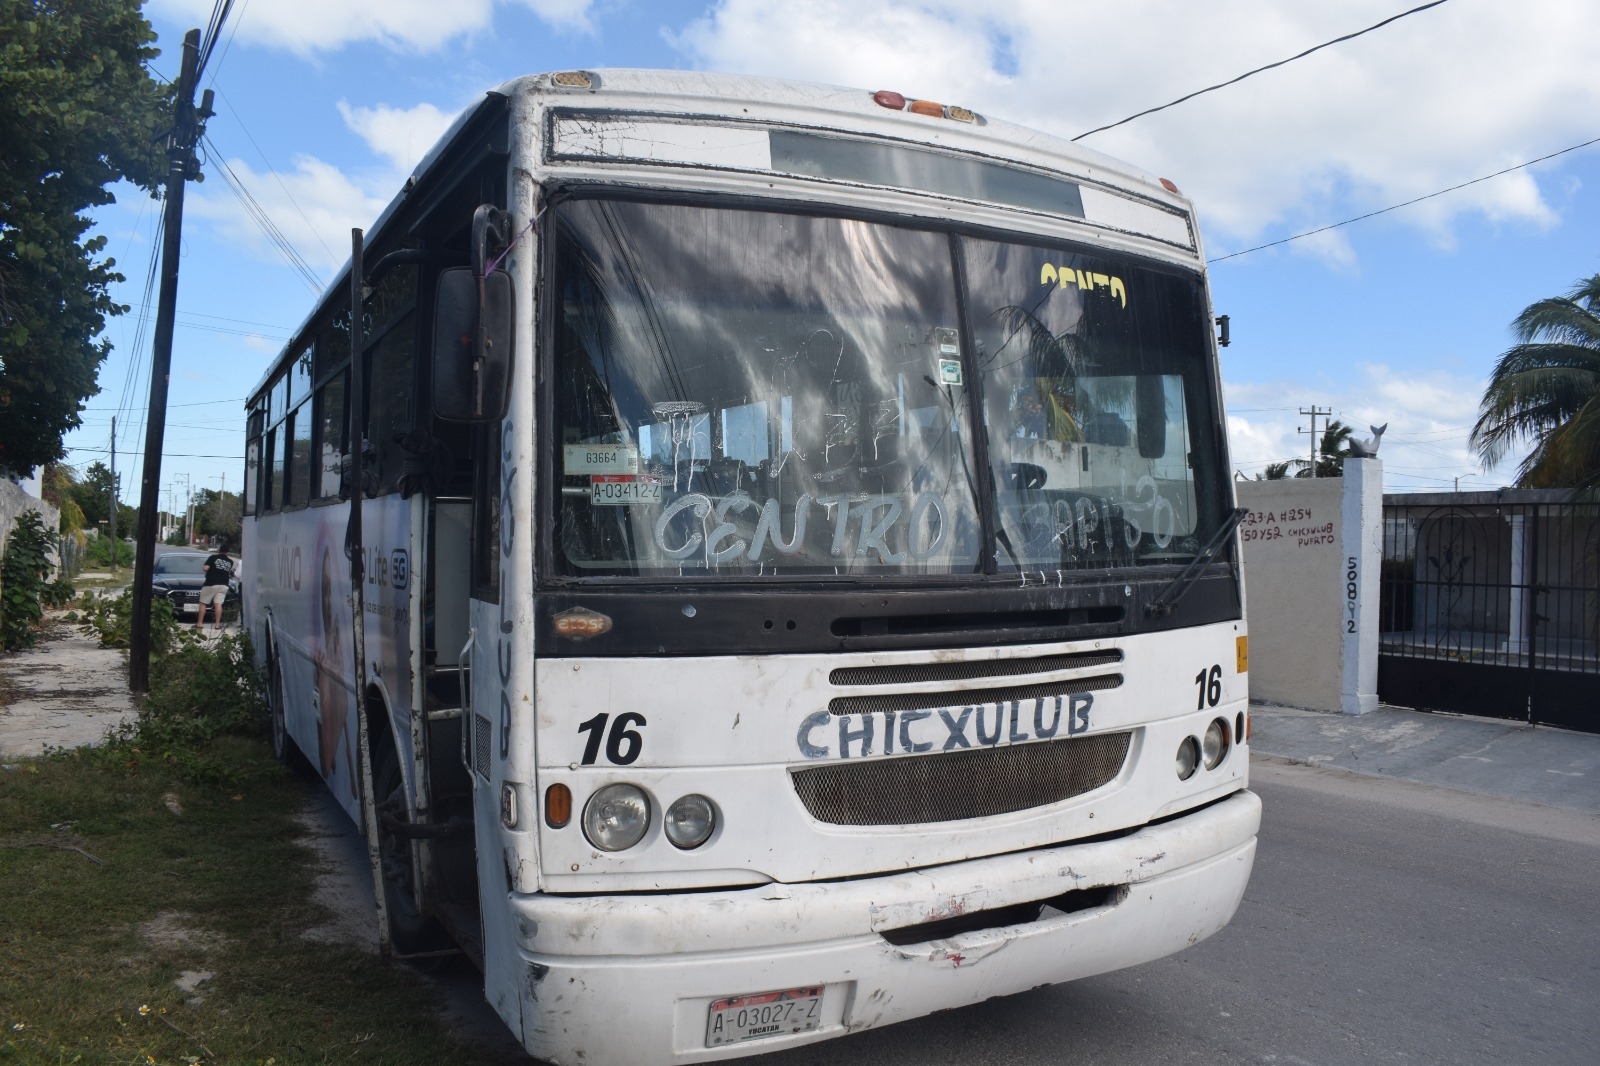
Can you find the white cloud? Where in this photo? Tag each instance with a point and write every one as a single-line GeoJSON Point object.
{"type": "Point", "coordinates": [1432, 100]}
{"type": "Point", "coordinates": [306, 27]}
{"type": "Point", "coordinates": [562, 14]}
{"type": "Point", "coordinates": [311, 204]}
{"type": "Point", "coordinates": [401, 135]}
{"type": "Point", "coordinates": [1429, 415]}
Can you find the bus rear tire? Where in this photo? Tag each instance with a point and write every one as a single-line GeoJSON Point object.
{"type": "Point", "coordinates": [410, 931]}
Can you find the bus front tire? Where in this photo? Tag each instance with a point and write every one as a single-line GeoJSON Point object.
{"type": "Point", "coordinates": [410, 931]}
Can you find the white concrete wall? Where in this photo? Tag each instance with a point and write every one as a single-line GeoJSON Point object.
{"type": "Point", "coordinates": [1293, 587]}
{"type": "Point", "coordinates": [1312, 555]}
{"type": "Point", "coordinates": [13, 501]}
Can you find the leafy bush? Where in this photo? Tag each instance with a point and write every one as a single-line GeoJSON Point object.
{"type": "Point", "coordinates": [58, 593]}
{"type": "Point", "coordinates": [23, 569]}
{"type": "Point", "coordinates": [98, 553]}
{"type": "Point", "coordinates": [110, 618]}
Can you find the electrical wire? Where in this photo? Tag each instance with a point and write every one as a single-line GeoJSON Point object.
{"type": "Point", "coordinates": [1396, 207]}
{"type": "Point", "coordinates": [1258, 70]}
{"type": "Point", "coordinates": [263, 221]}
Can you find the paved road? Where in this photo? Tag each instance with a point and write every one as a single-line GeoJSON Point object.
{"type": "Point", "coordinates": [1387, 922]}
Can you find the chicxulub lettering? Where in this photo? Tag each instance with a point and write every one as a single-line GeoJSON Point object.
{"type": "Point", "coordinates": [825, 735]}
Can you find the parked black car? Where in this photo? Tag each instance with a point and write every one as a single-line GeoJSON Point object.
{"type": "Point", "coordinates": [178, 577]}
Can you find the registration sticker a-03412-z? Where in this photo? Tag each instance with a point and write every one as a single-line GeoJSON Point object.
{"type": "Point", "coordinates": [619, 490]}
{"type": "Point", "coordinates": [793, 1010]}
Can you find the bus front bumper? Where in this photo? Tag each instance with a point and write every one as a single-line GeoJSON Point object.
{"type": "Point", "coordinates": [631, 978]}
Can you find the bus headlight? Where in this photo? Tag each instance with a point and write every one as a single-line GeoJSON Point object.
{"type": "Point", "coordinates": [689, 821]}
{"type": "Point", "coordinates": [1188, 758]}
{"type": "Point", "coordinates": [1215, 745]}
{"type": "Point", "coordinates": [616, 817]}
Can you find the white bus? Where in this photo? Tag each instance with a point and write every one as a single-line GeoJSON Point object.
{"type": "Point", "coordinates": [801, 591]}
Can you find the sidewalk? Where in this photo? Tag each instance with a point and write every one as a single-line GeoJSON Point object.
{"type": "Point", "coordinates": [1483, 755]}
{"type": "Point", "coordinates": [63, 692]}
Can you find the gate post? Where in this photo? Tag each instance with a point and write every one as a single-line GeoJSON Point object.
{"type": "Point", "coordinates": [1361, 560]}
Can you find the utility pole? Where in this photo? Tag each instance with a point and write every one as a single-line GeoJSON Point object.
{"type": "Point", "coordinates": [188, 123]}
{"type": "Point", "coordinates": [113, 530]}
{"type": "Point", "coordinates": [1315, 414]}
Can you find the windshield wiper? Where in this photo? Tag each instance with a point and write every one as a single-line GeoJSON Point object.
{"type": "Point", "coordinates": [1168, 599]}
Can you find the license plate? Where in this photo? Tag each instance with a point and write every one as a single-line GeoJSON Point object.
{"type": "Point", "coordinates": [794, 1010]}
{"type": "Point", "coordinates": [619, 490]}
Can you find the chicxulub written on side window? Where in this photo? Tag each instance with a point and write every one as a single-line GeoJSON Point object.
{"type": "Point", "coordinates": [756, 394]}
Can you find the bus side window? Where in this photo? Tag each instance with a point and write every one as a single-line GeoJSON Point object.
{"type": "Point", "coordinates": [486, 514]}
{"type": "Point", "coordinates": [271, 473]}
{"type": "Point", "coordinates": [332, 422]}
{"type": "Point", "coordinates": [389, 388]}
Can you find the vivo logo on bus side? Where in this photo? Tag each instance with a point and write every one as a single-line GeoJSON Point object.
{"type": "Point", "coordinates": [987, 725]}
{"type": "Point", "coordinates": [290, 568]}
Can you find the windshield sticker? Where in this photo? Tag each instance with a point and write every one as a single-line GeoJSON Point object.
{"type": "Point", "coordinates": [946, 338]}
{"type": "Point", "coordinates": [600, 459]}
{"type": "Point", "coordinates": [949, 371]}
{"type": "Point", "coordinates": [911, 732]}
{"type": "Point", "coordinates": [1084, 280]}
{"type": "Point", "coordinates": [695, 523]}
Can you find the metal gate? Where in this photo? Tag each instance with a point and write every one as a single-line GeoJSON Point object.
{"type": "Point", "coordinates": [1490, 605]}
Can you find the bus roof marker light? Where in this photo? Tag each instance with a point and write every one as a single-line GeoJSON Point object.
{"type": "Point", "coordinates": [573, 79]}
{"type": "Point", "coordinates": [580, 623]}
{"type": "Point", "coordinates": [926, 107]}
{"type": "Point", "coordinates": [960, 114]}
{"type": "Point", "coordinates": [890, 99]}
{"type": "Point", "coordinates": [1167, 185]}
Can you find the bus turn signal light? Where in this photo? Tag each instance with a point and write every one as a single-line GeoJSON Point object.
{"type": "Point", "coordinates": [927, 107]}
{"type": "Point", "coordinates": [890, 99]}
{"type": "Point", "coordinates": [557, 806]}
{"type": "Point", "coordinates": [580, 623]}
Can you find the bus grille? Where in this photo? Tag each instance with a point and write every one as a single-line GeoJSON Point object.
{"type": "Point", "coordinates": [912, 673]}
{"type": "Point", "coordinates": [950, 786]}
{"type": "Point", "coordinates": [927, 701]}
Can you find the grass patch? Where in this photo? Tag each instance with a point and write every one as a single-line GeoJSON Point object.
{"type": "Point", "coordinates": [119, 880]}
{"type": "Point", "coordinates": [157, 890]}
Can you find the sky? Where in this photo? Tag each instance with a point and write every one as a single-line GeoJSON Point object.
{"type": "Point", "coordinates": [324, 107]}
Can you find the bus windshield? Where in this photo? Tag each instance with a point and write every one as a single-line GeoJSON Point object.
{"type": "Point", "coordinates": [747, 393]}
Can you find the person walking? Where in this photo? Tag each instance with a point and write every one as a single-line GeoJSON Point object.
{"type": "Point", "coordinates": [218, 569]}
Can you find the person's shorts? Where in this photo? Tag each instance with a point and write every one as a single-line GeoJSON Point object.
{"type": "Point", "coordinates": [210, 594]}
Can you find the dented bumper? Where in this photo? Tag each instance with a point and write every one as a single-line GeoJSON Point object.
{"type": "Point", "coordinates": [631, 978]}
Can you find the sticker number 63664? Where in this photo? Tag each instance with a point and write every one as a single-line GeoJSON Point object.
{"type": "Point", "coordinates": [623, 743]}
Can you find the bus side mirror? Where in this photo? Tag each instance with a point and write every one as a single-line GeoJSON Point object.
{"type": "Point", "coordinates": [472, 337]}
{"type": "Point", "coordinates": [1150, 407]}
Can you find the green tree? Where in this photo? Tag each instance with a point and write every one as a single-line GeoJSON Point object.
{"type": "Point", "coordinates": [1545, 392]}
{"type": "Point", "coordinates": [80, 113]}
{"type": "Point", "coordinates": [1332, 451]}
{"type": "Point", "coordinates": [218, 513]}
{"type": "Point", "coordinates": [93, 493]}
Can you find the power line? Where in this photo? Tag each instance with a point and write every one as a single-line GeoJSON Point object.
{"type": "Point", "coordinates": [1258, 70]}
{"type": "Point", "coordinates": [1408, 203]}
{"type": "Point", "coordinates": [263, 221]}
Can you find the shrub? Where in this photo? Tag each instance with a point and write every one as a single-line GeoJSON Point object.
{"type": "Point", "coordinates": [98, 553]}
{"type": "Point", "coordinates": [23, 569]}
{"type": "Point", "coordinates": [110, 618]}
{"type": "Point", "coordinates": [58, 593]}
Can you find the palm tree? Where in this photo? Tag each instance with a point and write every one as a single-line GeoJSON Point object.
{"type": "Point", "coordinates": [1332, 451]}
{"type": "Point", "coordinates": [1545, 391]}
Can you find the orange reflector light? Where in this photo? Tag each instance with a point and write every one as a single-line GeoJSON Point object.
{"type": "Point", "coordinates": [1241, 654]}
{"type": "Point", "coordinates": [580, 623]}
{"type": "Point", "coordinates": [887, 98]}
{"type": "Point", "coordinates": [573, 79]}
{"type": "Point", "coordinates": [927, 107]}
{"type": "Point", "coordinates": [1167, 185]}
{"type": "Point", "coordinates": [557, 806]}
